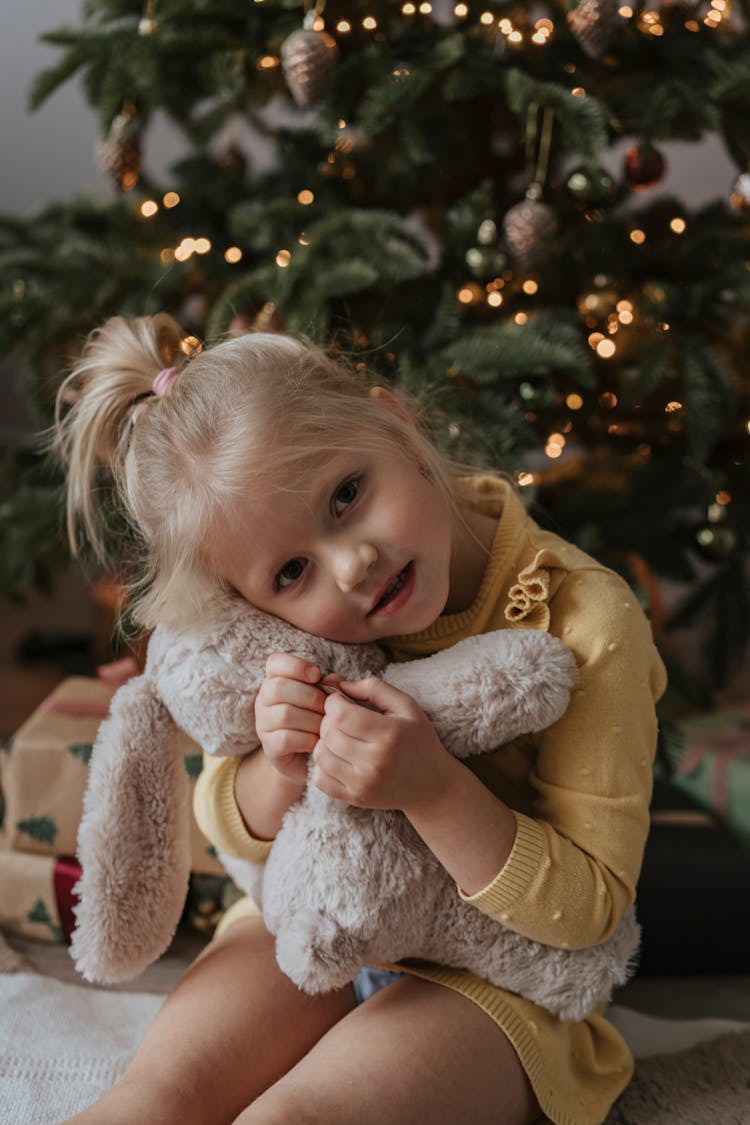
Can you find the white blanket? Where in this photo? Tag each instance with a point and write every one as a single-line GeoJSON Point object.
{"type": "Point", "coordinates": [63, 1045]}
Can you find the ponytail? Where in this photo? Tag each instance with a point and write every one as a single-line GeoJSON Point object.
{"type": "Point", "coordinates": [94, 412]}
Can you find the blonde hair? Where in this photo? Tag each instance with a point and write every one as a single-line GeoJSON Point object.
{"type": "Point", "coordinates": [237, 414]}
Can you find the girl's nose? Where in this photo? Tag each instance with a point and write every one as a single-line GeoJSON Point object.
{"type": "Point", "coordinates": [352, 563]}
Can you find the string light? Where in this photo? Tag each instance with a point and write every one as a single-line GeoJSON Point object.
{"type": "Point", "coordinates": [678, 225]}
{"type": "Point", "coordinates": [283, 258]}
{"type": "Point", "coordinates": [578, 92]}
{"type": "Point", "coordinates": [267, 62]}
{"type": "Point", "coordinates": [305, 197]}
{"type": "Point", "coordinates": [343, 26]}
{"type": "Point", "coordinates": [461, 11]}
{"type": "Point", "coordinates": [494, 299]}
{"type": "Point", "coordinates": [608, 400]}
{"type": "Point", "coordinates": [638, 236]}
{"type": "Point", "coordinates": [723, 498]}
{"type": "Point", "coordinates": [425, 8]}
{"type": "Point", "coordinates": [520, 318]}
{"type": "Point", "coordinates": [369, 23]}
{"type": "Point", "coordinates": [606, 349]}
{"type": "Point", "coordinates": [409, 9]}
{"type": "Point", "coordinates": [594, 339]}
{"type": "Point", "coordinates": [465, 295]}
{"type": "Point", "coordinates": [530, 287]}
{"type": "Point", "coordinates": [171, 199]}
{"type": "Point", "coordinates": [233, 254]}
{"type": "Point", "coordinates": [672, 407]}
{"type": "Point", "coordinates": [555, 445]}
{"type": "Point", "coordinates": [525, 479]}
{"type": "Point", "coordinates": [515, 37]}
{"type": "Point", "coordinates": [149, 207]}
{"type": "Point", "coordinates": [574, 402]}
{"type": "Point", "coordinates": [626, 12]}
{"type": "Point", "coordinates": [487, 18]}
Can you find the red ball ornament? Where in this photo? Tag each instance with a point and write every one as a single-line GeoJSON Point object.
{"type": "Point", "coordinates": [644, 167]}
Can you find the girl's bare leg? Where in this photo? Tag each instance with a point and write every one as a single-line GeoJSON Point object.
{"type": "Point", "coordinates": [414, 1053]}
{"type": "Point", "coordinates": [231, 1028]}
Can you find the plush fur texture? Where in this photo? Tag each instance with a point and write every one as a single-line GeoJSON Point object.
{"type": "Point", "coordinates": [343, 886]}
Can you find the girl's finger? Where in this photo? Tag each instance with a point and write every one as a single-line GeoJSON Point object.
{"type": "Point", "coordinates": [381, 696]}
{"type": "Point", "coordinates": [282, 690]}
{"type": "Point", "coordinates": [327, 761]}
{"type": "Point", "coordinates": [285, 664]}
{"type": "Point", "coordinates": [285, 717]}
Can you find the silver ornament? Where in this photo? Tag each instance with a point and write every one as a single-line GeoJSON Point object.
{"type": "Point", "coordinates": [530, 228]}
{"type": "Point", "coordinates": [308, 60]}
{"type": "Point", "coordinates": [594, 22]}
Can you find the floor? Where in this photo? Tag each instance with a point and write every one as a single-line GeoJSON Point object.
{"type": "Point", "coordinates": [48, 638]}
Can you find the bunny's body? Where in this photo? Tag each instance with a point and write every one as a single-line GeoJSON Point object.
{"type": "Point", "coordinates": [343, 886]}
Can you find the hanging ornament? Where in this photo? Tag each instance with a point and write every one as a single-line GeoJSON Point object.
{"type": "Point", "coordinates": [119, 154]}
{"type": "Point", "coordinates": [715, 541]}
{"type": "Point", "coordinates": [644, 167]}
{"type": "Point", "coordinates": [739, 199]}
{"type": "Point", "coordinates": [594, 23]}
{"type": "Point", "coordinates": [486, 259]}
{"type": "Point", "coordinates": [591, 185]}
{"type": "Point", "coordinates": [148, 23]}
{"type": "Point", "coordinates": [530, 226]}
{"type": "Point", "coordinates": [308, 59]}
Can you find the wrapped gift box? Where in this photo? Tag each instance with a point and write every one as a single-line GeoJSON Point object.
{"type": "Point", "coordinates": [37, 895]}
{"type": "Point", "coordinates": [714, 766]}
{"type": "Point", "coordinates": [44, 769]}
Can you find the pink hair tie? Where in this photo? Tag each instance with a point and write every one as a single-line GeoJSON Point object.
{"type": "Point", "coordinates": [159, 387]}
{"type": "Point", "coordinates": [164, 380]}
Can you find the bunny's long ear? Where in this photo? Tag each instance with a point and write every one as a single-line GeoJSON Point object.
{"type": "Point", "coordinates": [132, 841]}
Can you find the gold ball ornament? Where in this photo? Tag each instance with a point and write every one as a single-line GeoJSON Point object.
{"type": "Point", "coordinates": [119, 154]}
{"type": "Point", "coordinates": [308, 61]}
{"type": "Point", "coordinates": [594, 24]}
{"type": "Point", "coordinates": [530, 228]}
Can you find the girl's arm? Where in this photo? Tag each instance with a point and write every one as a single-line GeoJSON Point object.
{"type": "Point", "coordinates": [564, 870]}
{"type": "Point", "coordinates": [263, 795]}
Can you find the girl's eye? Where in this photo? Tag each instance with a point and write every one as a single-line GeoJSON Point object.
{"type": "Point", "coordinates": [290, 573]}
{"type": "Point", "coordinates": [345, 495]}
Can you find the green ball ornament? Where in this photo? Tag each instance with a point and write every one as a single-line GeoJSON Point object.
{"type": "Point", "coordinates": [486, 261]}
{"type": "Point", "coordinates": [592, 187]}
{"type": "Point", "coordinates": [716, 541]}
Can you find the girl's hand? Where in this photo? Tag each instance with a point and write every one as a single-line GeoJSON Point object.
{"type": "Point", "coordinates": [391, 758]}
{"type": "Point", "coordinates": [288, 714]}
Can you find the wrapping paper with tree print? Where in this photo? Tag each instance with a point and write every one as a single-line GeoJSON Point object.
{"type": "Point", "coordinates": [714, 766]}
{"type": "Point", "coordinates": [44, 769]}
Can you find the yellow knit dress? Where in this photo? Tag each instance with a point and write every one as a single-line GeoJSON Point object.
{"type": "Point", "coordinates": [580, 793]}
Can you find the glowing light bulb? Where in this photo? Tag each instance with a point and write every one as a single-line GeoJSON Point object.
{"type": "Point", "coordinates": [606, 348]}
{"type": "Point", "coordinates": [530, 286]}
{"type": "Point", "coordinates": [574, 402]}
{"type": "Point", "coordinates": [149, 207]}
{"type": "Point", "coordinates": [170, 200]}
{"type": "Point", "coordinates": [678, 225]}
{"type": "Point", "coordinates": [638, 236]}
{"type": "Point", "coordinates": [283, 258]}
{"type": "Point", "coordinates": [233, 254]}
{"type": "Point", "coordinates": [305, 197]}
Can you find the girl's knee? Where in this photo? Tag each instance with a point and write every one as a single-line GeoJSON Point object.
{"type": "Point", "coordinates": [283, 1103]}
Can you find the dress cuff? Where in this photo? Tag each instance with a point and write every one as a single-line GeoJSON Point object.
{"type": "Point", "coordinates": [516, 876]}
{"type": "Point", "coordinates": [219, 817]}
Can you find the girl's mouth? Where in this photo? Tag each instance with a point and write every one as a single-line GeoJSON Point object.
{"type": "Point", "coordinates": [396, 594]}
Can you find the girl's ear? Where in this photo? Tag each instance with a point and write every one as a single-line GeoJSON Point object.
{"type": "Point", "coordinates": [389, 400]}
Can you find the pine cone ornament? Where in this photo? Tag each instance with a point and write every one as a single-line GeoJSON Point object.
{"type": "Point", "coordinates": [530, 228]}
{"type": "Point", "coordinates": [594, 23]}
{"type": "Point", "coordinates": [119, 154]}
{"type": "Point", "coordinates": [308, 60]}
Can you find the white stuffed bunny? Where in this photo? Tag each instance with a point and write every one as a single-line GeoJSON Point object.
{"type": "Point", "coordinates": [342, 886]}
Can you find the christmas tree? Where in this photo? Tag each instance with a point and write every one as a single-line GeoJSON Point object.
{"type": "Point", "coordinates": [437, 201]}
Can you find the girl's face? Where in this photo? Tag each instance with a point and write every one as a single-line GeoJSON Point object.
{"type": "Point", "coordinates": [361, 550]}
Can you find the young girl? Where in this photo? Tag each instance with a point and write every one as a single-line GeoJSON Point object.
{"type": "Point", "coordinates": [263, 467]}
